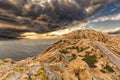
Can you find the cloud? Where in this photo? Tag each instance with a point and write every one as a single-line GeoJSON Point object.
{"type": "Point", "coordinates": [57, 9]}
{"type": "Point", "coordinates": [68, 30]}
{"type": "Point", "coordinates": [54, 12]}
{"type": "Point", "coordinates": [115, 17]}
{"type": "Point", "coordinates": [114, 31]}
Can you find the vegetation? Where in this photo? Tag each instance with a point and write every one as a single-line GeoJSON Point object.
{"type": "Point", "coordinates": [72, 47]}
{"type": "Point", "coordinates": [19, 69]}
{"type": "Point", "coordinates": [73, 57]}
{"type": "Point", "coordinates": [90, 60]}
{"type": "Point", "coordinates": [102, 70]}
{"type": "Point", "coordinates": [108, 68]}
{"type": "Point", "coordinates": [77, 48]}
{"type": "Point", "coordinates": [118, 76]}
{"type": "Point", "coordinates": [41, 75]}
{"type": "Point", "coordinates": [64, 51]}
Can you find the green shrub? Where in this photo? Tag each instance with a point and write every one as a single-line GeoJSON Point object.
{"type": "Point", "coordinates": [108, 68]}
{"type": "Point", "coordinates": [90, 60]}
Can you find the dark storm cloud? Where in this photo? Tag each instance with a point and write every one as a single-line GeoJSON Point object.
{"type": "Point", "coordinates": [68, 9]}
{"type": "Point", "coordinates": [52, 11]}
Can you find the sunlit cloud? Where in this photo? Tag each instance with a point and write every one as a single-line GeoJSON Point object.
{"type": "Point", "coordinates": [68, 30]}
{"type": "Point", "coordinates": [115, 17]}
{"type": "Point", "coordinates": [113, 30]}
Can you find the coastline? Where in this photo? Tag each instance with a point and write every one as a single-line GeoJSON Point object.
{"type": "Point", "coordinates": [73, 58]}
{"type": "Point", "coordinates": [19, 49]}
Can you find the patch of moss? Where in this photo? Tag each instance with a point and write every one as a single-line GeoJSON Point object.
{"type": "Point", "coordinates": [19, 69]}
{"type": "Point", "coordinates": [109, 68]}
{"type": "Point", "coordinates": [90, 60]}
{"type": "Point", "coordinates": [41, 75]}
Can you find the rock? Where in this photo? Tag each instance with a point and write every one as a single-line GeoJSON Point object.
{"type": "Point", "coordinates": [69, 76]}
{"type": "Point", "coordinates": [80, 69]}
{"type": "Point", "coordinates": [64, 60]}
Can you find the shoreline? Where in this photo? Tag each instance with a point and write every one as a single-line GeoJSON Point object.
{"type": "Point", "coordinates": [20, 49]}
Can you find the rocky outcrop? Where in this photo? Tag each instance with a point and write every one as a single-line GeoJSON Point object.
{"type": "Point", "coordinates": [80, 69]}
{"type": "Point", "coordinates": [88, 34]}
{"type": "Point", "coordinates": [74, 58]}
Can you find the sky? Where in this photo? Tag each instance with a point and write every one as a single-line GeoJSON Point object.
{"type": "Point", "coordinates": [108, 18]}
{"type": "Point", "coordinates": [101, 15]}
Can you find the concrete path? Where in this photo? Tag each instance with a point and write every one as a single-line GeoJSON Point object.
{"type": "Point", "coordinates": [112, 57]}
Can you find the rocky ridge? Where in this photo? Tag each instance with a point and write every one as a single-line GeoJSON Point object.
{"type": "Point", "coordinates": [75, 57]}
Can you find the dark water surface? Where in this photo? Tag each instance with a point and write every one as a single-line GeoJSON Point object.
{"type": "Point", "coordinates": [20, 49]}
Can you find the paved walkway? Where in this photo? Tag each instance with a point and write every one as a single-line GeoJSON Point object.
{"type": "Point", "coordinates": [113, 58]}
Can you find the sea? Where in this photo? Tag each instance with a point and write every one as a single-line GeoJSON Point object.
{"type": "Point", "coordinates": [19, 49]}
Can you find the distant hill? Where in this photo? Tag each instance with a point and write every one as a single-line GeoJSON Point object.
{"type": "Point", "coordinates": [88, 34]}
{"type": "Point", "coordinates": [115, 32]}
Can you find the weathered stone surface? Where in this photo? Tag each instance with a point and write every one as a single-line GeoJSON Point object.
{"type": "Point", "coordinates": [68, 59]}
{"type": "Point", "coordinates": [80, 69]}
